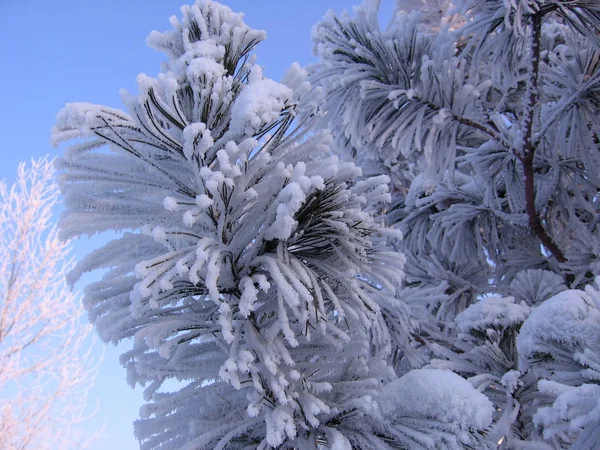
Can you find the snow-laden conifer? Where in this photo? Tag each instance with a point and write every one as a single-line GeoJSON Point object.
{"type": "Point", "coordinates": [486, 130]}
{"type": "Point", "coordinates": [249, 266]}
{"type": "Point", "coordinates": [487, 123]}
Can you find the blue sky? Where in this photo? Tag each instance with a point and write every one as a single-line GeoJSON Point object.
{"type": "Point", "coordinates": [54, 52]}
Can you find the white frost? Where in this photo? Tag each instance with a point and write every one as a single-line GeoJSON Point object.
{"type": "Point", "coordinates": [260, 103]}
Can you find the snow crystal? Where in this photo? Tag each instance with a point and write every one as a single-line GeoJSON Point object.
{"type": "Point", "coordinates": [231, 170]}
{"type": "Point", "coordinates": [248, 298]}
{"type": "Point", "coordinates": [511, 379]}
{"type": "Point", "coordinates": [213, 180]}
{"type": "Point", "coordinates": [245, 360]}
{"type": "Point", "coordinates": [189, 218]}
{"type": "Point", "coordinates": [197, 139]}
{"type": "Point", "coordinates": [262, 281]}
{"type": "Point", "coordinates": [437, 394]}
{"type": "Point", "coordinates": [206, 48]}
{"type": "Point", "coordinates": [280, 424]}
{"type": "Point", "coordinates": [170, 204]}
{"type": "Point", "coordinates": [204, 68]}
{"type": "Point", "coordinates": [422, 186]}
{"type": "Point", "coordinates": [159, 234]}
{"type": "Point", "coordinates": [295, 78]}
{"type": "Point", "coordinates": [228, 373]}
{"type": "Point", "coordinates": [181, 267]}
{"type": "Point", "coordinates": [225, 321]}
{"type": "Point", "coordinates": [441, 116]}
{"type": "Point", "coordinates": [284, 223]}
{"type": "Point", "coordinates": [337, 441]}
{"type": "Point", "coordinates": [260, 103]}
{"type": "Point", "coordinates": [203, 201]}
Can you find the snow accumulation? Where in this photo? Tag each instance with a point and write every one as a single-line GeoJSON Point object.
{"type": "Point", "coordinates": [437, 394]}
{"type": "Point", "coordinates": [492, 311]}
{"type": "Point", "coordinates": [570, 317]}
{"type": "Point", "coordinates": [260, 103]}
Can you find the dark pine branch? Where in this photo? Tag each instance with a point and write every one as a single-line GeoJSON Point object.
{"type": "Point", "coordinates": [535, 223]}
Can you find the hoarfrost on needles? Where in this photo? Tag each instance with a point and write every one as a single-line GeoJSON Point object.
{"type": "Point", "coordinates": [266, 273]}
{"type": "Point", "coordinates": [253, 266]}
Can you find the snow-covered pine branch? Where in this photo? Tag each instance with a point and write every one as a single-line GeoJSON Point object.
{"type": "Point", "coordinates": [469, 139]}
{"type": "Point", "coordinates": [558, 345]}
{"type": "Point", "coordinates": [488, 128]}
{"type": "Point", "coordinates": [250, 267]}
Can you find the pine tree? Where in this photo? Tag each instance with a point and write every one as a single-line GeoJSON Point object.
{"type": "Point", "coordinates": [467, 129]}
{"type": "Point", "coordinates": [487, 123]}
{"type": "Point", "coordinates": [251, 267]}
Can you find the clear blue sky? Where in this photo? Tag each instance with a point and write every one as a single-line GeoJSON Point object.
{"type": "Point", "coordinates": [54, 52]}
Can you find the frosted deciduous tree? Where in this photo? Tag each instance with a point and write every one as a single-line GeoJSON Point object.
{"type": "Point", "coordinates": [253, 266]}
{"type": "Point", "coordinates": [46, 367]}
